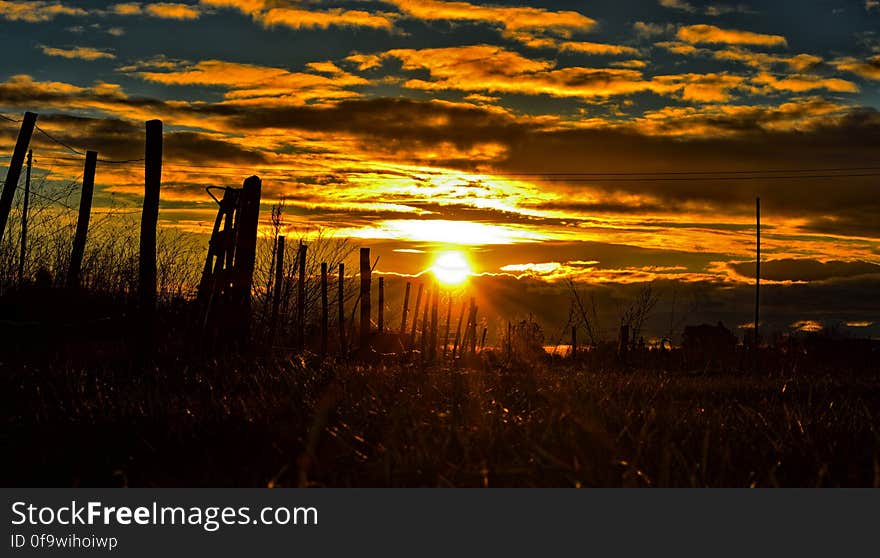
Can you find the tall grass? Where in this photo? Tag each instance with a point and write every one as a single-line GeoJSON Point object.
{"type": "Point", "coordinates": [292, 423]}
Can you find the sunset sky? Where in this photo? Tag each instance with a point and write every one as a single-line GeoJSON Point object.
{"type": "Point", "coordinates": [614, 142]}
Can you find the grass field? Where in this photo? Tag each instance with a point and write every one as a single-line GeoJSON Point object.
{"type": "Point", "coordinates": [290, 422]}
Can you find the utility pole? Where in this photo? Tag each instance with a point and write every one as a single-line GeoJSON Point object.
{"type": "Point", "coordinates": [757, 269]}
{"type": "Point", "coordinates": [22, 257]}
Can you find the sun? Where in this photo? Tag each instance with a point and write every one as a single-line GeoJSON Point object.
{"type": "Point", "coordinates": [451, 268]}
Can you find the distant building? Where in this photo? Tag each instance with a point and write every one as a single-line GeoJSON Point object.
{"type": "Point", "coordinates": [707, 346]}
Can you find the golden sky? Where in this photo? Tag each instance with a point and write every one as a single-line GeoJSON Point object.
{"type": "Point", "coordinates": [609, 142]}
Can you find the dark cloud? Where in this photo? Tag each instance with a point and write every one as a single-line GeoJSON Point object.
{"type": "Point", "coordinates": [806, 269]}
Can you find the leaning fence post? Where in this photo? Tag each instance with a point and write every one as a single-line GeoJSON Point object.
{"type": "Point", "coordinates": [149, 222]}
{"type": "Point", "coordinates": [415, 321]}
{"type": "Point", "coordinates": [341, 303]}
{"type": "Point", "coordinates": [365, 297]}
{"type": "Point", "coordinates": [458, 339]}
{"type": "Point", "coordinates": [22, 254]}
{"type": "Point", "coordinates": [15, 164]}
{"type": "Point", "coordinates": [324, 309]}
{"type": "Point", "coordinates": [82, 221]}
{"type": "Point", "coordinates": [466, 335]}
{"type": "Point", "coordinates": [277, 285]}
{"type": "Point", "coordinates": [381, 319]}
{"type": "Point", "coordinates": [473, 337]}
{"type": "Point", "coordinates": [405, 309]}
{"type": "Point", "coordinates": [432, 351]}
{"type": "Point", "coordinates": [424, 339]}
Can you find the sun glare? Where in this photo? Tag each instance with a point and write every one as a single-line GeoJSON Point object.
{"type": "Point", "coordinates": [451, 268]}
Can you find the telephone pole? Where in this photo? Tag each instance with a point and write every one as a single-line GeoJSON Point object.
{"type": "Point", "coordinates": [757, 276]}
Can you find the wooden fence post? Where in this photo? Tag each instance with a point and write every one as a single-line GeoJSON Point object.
{"type": "Point", "coordinates": [381, 319]}
{"type": "Point", "coordinates": [448, 323]}
{"type": "Point", "coordinates": [277, 286]}
{"type": "Point", "coordinates": [473, 338]}
{"type": "Point", "coordinates": [301, 297]}
{"type": "Point", "coordinates": [82, 221]}
{"type": "Point", "coordinates": [432, 351]}
{"type": "Point", "coordinates": [245, 251]}
{"type": "Point", "coordinates": [574, 342]}
{"type": "Point", "coordinates": [623, 343]}
{"type": "Point", "coordinates": [366, 273]}
{"type": "Point", "coordinates": [424, 340]}
{"type": "Point", "coordinates": [149, 222]}
{"type": "Point", "coordinates": [405, 309]}
{"type": "Point", "coordinates": [341, 302]}
{"type": "Point", "coordinates": [22, 255]}
{"type": "Point", "coordinates": [457, 341]}
{"type": "Point", "coordinates": [324, 309]}
{"type": "Point", "coordinates": [466, 335]}
{"type": "Point", "coordinates": [415, 321]}
{"type": "Point", "coordinates": [15, 164]}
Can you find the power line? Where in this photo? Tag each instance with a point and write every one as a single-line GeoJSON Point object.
{"type": "Point", "coordinates": [58, 141]}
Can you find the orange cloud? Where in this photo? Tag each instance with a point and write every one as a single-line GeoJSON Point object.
{"type": "Point", "coordinates": [269, 14]}
{"type": "Point", "coordinates": [36, 11]}
{"type": "Point", "coordinates": [800, 83]}
{"type": "Point", "coordinates": [726, 119]}
{"type": "Point", "coordinates": [249, 81]}
{"type": "Point", "coordinates": [170, 10]}
{"type": "Point", "coordinates": [596, 48]}
{"type": "Point", "coordinates": [799, 62]}
{"type": "Point", "coordinates": [164, 10]}
{"type": "Point", "coordinates": [365, 61]}
{"type": "Point", "coordinates": [494, 69]}
{"type": "Point", "coordinates": [711, 34]}
{"type": "Point", "coordinates": [534, 27]}
{"type": "Point", "coordinates": [82, 53]}
{"type": "Point", "coordinates": [127, 9]}
{"type": "Point", "coordinates": [869, 69]}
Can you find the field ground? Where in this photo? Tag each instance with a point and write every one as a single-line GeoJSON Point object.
{"type": "Point", "coordinates": [292, 423]}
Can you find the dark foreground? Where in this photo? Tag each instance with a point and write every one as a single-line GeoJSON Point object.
{"type": "Point", "coordinates": [291, 423]}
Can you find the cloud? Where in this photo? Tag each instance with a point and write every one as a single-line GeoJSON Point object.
{"type": "Point", "coordinates": [806, 269]}
{"type": "Point", "coordinates": [171, 10]}
{"type": "Point", "coordinates": [126, 9]}
{"type": "Point", "coordinates": [648, 30]}
{"type": "Point", "coordinates": [163, 10]}
{"type": "Point", "coordinates": [82, 53]}
{"type": "Point", "coordinates": [808, 326]}
{"type": "Point", "coordinates": [596, 48]}
{"type": "Point", "coordinates": [800, 83]}
{"type": "Point", "coordinates": [270, 14]}
{"type": "Point", "coordinates": [535, 27]}
{"type": "Point", "coordinates": [799, 62]}
{"type": "Point", "coordinates": [711, 9]}
{"type": "Point", "coordinates": [249, 81]}
{"type": "Point", "coordinates": [494, 69]}
{"type": "Point", "coordinates": [697, 34]}
{"type": "Point", "coordinates": [869, 69]}
{"type": "Point", "coordinates": [36, 11]}
{"type": "Point", "coordinates": [365, 61]}
{"type": "Point", "coordinates": [679, 5]}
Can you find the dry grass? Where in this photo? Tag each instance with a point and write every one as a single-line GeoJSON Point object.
{"type": "Point", "coordinates": [289, 423]}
